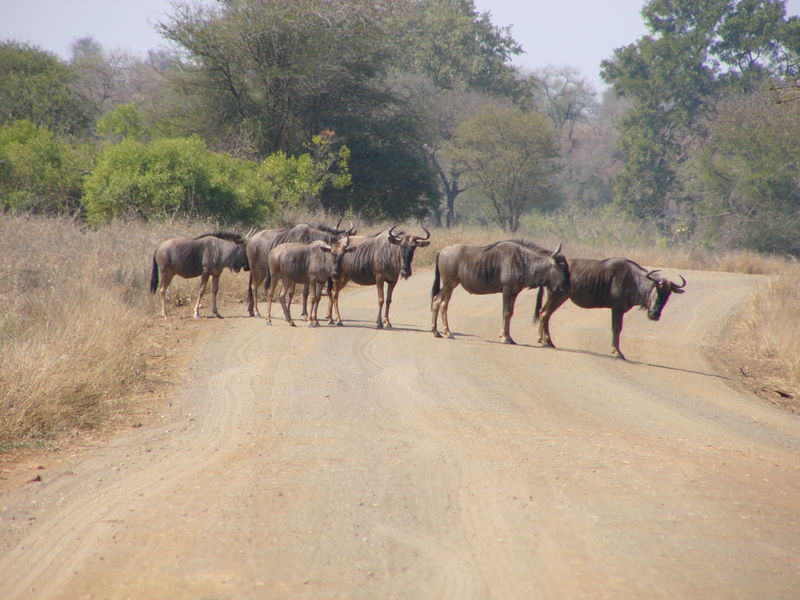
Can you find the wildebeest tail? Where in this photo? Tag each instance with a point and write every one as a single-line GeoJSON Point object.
{"type": "Point", "coordinates": [436, 279]}
{"type": "Point", "coordinates": [538, 308]}
{"type": "Point", "coordinates": [154, 276]}
{"type": "Point", "coordinates": [250, 289]}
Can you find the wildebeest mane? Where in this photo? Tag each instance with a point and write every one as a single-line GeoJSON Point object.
{"type": "Point", "coordinates": [223, 235]}
{"type": "Point", "coordinates": [521, 242]}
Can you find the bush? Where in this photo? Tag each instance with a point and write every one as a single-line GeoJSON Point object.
{"type": "Point", "coordinates": [174, 177]}
{"type": "Point", "coordinates": [39, 172]}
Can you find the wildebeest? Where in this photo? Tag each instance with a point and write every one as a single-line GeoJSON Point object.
{"type": "Point", "coordinates": [312, 264]}
{"type": "Point", "coordinates": [375, 260]}
{"type": "Point", "coordinates": [506, 267]}
{"type": "Point", "coordinates": [203, 256]}
{"type": "Point", "coordinates": [260, 244]}
{"type": "Point", "coordinates": [615, 283]}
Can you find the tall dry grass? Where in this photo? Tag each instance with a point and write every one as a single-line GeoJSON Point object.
{"type": "Point", "coordinates": [76, 308]}
{"type": "Point", "coordinates": [770, 329]}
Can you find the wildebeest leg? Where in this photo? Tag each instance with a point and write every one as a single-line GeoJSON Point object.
{"type": "Point", "coordinates": [389, 291]}
{"type": "Point", "coordinates": [617, 315]}
{"type": "Point", "coordinates": [287, 287]}
{"type": "Point", "coordinates": [214, 290]}
{"type": "Point", "coordinates": [317, 295]}
{"type": "Point", "coordinates": [305, 302]}
{"type": "Point", "coordinates": [439, 306]}
{"type": "Point", "coordinates": [200, 294]}
{"type": "Point", "coordinates": [256, 280]}
{"type": "Point", "coordinates": [334, 303]}
{"type": "Point", "coordinates": [271, 294]}
{"type": "Point", "coordinates": [554, 300]}
{"type": "Point", "coordinates": [166, 278]}
{"type": "Point", "coordinates": [509, 298]}
{"type": "Point", "coordinates": [379, 287]}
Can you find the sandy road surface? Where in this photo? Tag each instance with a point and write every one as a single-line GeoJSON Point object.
{"type": "Point", "coordinates": [356, 463]}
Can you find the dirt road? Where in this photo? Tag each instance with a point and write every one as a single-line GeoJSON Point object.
{"type": "Point", "coordinates": [356, 463]}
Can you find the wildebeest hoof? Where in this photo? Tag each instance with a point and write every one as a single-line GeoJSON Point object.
{"type": "Point", "coordinates": [339, 324]}
{"type": "Point", "coordinates": [314, 324]}
{"type": "Point", "coordinates": [292, 323]}
{"type": "Point", "coordinates": [508, 340]}
{"type": "Point", "coordinates": [437, 334]}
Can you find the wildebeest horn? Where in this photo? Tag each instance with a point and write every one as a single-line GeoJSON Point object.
{"type": "Point", "coordinates": [428, 233]}
{"type": "Point", "coordinates": [394, 235]}
{"type": "Point", "coordinates": [683, 285]}
{"type": "Point", "coordinates": [556, 252]}
{"type": "Point", "coordinates": [352, 230]}
{"type": "Point", "coordinates": [338, 223]}
{"type": "Point", "coordinates": [653, 272]}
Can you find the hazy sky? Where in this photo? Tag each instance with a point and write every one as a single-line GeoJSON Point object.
{"type": "Point", "coordinates": [579, 33]}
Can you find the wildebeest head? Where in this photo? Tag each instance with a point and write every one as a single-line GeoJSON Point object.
{"type": "Point", "coordinates": [239, 259]}
{"type": "Point", "coordinates": [408, 244]}
{"type": "Point", "coordinates": [660, 293]}
{"type": "Point", "coordinates": [558, 277]}
{"type": "Point", "coordinates": [337, 251]}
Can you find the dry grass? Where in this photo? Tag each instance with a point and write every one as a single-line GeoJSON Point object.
{"type": "Point", "coordinates": [77, 325]}
{"type": "Point", "coordinates": [76, 312]}
{"type": "Point", "coordinates": [769, 331]}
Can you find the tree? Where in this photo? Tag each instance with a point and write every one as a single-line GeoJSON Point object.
{"type": "Point", "coordinates": [509, 155]}
{"type": "Point", "coordinates": [564, 96]}
{"type": "Point", "coordinates": [270, 74]}
{"type": "Point", "coordinates": [696, 51]}
{"type": "Point", "coordinates": [745, 177]}
{"type": "Point", "coordinates": [38, 87]}
{"type": "Point", "coordinates": [456, 46]}
{"type": "Point", "coordinates": [40, 173]}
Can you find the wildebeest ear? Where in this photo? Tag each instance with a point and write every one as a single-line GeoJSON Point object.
{"type": "Point", "coordinates": [422, 243]}
{"type": "Point", "coordinates": [349, 249]}
{"type": "Point", "coordinates": [324, 247]}
{"type": "Point", "coordinates": [677, 290]}
{"type": "Point", "coordinates": [394, 240]}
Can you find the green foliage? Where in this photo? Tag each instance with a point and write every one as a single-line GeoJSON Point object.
{"type": "Point", "coordinates": [697, 51]}
{"type": "Point", "coordinates": [745, 178]}
{"type": "Point", "coordinates": [170, 178]}
{"type": "Point", "coordinates": [39, 172]}
{"type": "Point", "coordinates": [37, 86]}
{"type": "Point", "coordinates": [452, 43]}
{"type": "Point", "coordinates": [509, 156]}
{"type": "Point", "coordinates": [297, 182]}
{"type": "Point", "coordinates": [123, 122]}
{"type": "Point", "coordinates": [179, 177]}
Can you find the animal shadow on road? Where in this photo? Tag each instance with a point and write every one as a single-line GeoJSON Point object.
{"type": "Point", "coordinates": [633, 362]}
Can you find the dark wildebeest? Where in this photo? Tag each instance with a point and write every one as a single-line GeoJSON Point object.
{"type": "Point", "coordinates": [506, 267]}
{"type": "Point", "coordinates": [383, 257]}
{"type": "Point", "coordinates": [203, 256]}
{"type": "Point", "coordinates": [258, 249]}
{"type": "Point", "coordinates": [312, 264]}
{"type": "Point", "coordinates": [615, 283]}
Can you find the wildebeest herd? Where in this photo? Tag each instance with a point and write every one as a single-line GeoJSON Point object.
{"type": "Point", "coordinates": [321, 257]}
